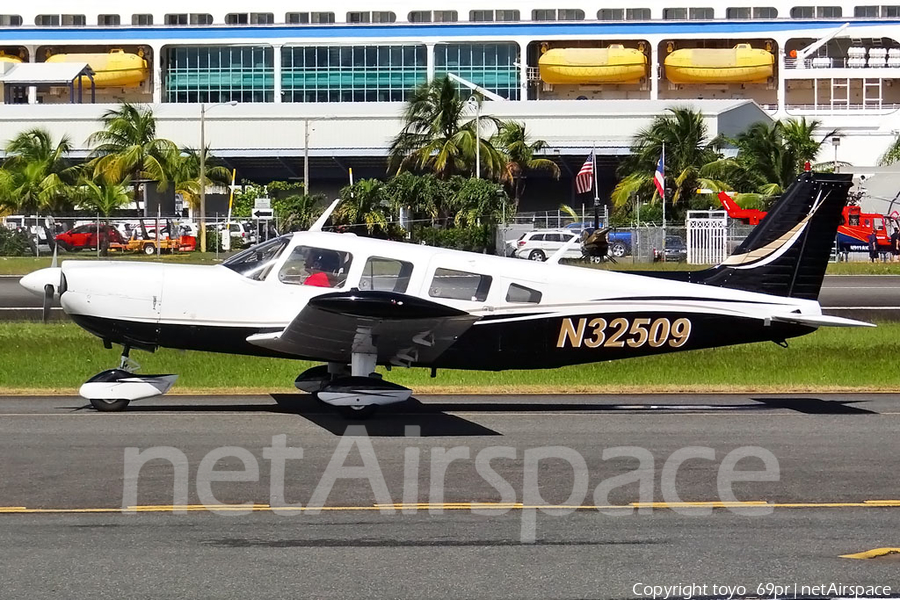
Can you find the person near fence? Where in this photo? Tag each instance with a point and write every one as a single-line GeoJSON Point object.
{"type": "Point", "coordinates": [873, 247]}
{"type": "Point", "coordinates": [895, 245]}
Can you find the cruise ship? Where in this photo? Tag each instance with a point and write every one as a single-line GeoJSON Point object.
{"type": "Point", "coordinates": [286, 84]}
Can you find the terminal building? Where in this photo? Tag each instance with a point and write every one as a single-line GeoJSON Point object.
{"type": "Point", "coordinates": [283, 81]}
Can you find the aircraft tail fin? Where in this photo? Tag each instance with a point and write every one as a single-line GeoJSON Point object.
{"type": "Point", "coordinates": [786, 254]}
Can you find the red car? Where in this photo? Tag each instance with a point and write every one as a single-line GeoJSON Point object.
{"type": "Point", "coordinates": [85, 237]}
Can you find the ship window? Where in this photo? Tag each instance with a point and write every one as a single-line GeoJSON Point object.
{"type": "Point", "coordinates": [637, 14]}
{"type": "Point", "coordinates": [108, 20]}
{"type": "Point", "coordinates": [383, 16]}
{"type": "Point", "coordinates": [201, 19]}
{"type": "Point", "coordinates": [142, 19]}
{"type": "Point", "coordinates": [322, 17]}
{"type": "Point", "coordinates": [481, 15]}
{"type": "Point", "coordinates": [765, 12]}
{"type": "Point", "coordinates": [611, 14]}
{"type": "Point", "coordinates": [179, 19]}
{"type": "Point", "coordinates": [46, 20]}
{"type": "Point", "coordinates": [507, 15]}
{"type": "Point", "coordinates": [673, 14]}
{"type": "Point", "coordinates": [10, 20]}
{"type": "Point", "coordinates": [803, 12]}
{"type": "Point", "coordinates": [543, 14]}
{"type": "Point", "coordinates": [459, 285]}
{"type": "Point", "coordinates": [570, 14]}
{"type": "Point", "coordinates": [320, 267]}
{"type": "Point", "coordinates": [890, 11]}
{"type": "Point", "coordinates": [262, 18]}
{"type": "Point", "coordinates": [236, 19]}
{"type": "Point", "coordinates": [702, 14]}
{"type": "Point", "coordinates": [742, 12]}
{"type": "Point", "coordinates": [386, 275]}
{"type": "Point", "coordinates": [359, 17]}
{"type": "Point", "coordinates": [829, 12]}
{"type": "Point", "coordinates": [446, 16]}
{"type": "Point", "coordinates": [520, 293]}
{"type": "Point", "coordinates": [420, 16]}
{"type": "Point", "coordinates": [73, 20]}
{"type": "Point", "coordinates": [296, 18]}
{"type": "Point", "coordinates": [865, 11]}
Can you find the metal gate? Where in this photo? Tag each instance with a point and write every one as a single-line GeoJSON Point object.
{"type": "Point", "coordinates": [707, 237]}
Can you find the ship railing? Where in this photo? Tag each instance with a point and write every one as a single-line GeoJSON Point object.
{"type": "Point", "coordinates": [851, 62]}
{"type": "Point", "coordinates": [844, 108]}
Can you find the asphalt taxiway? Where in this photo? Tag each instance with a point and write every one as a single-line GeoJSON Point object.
{"type": "Point", "coordinates": [833, 491]}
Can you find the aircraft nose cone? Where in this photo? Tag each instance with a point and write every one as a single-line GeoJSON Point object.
{"type": "Point", "coordinates": [35, 282]}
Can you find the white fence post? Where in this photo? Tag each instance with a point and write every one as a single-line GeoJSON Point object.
{"type": "Point", "coordinates": [707, 237]}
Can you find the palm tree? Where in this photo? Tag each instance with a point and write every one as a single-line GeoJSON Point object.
{"type": "Point", "coordinates": [298, 212]}
{"type": "Point", "coordinates": [688, 148]}
{"type": "Point", "coordinates": [184, 169]}
{"type": "Point", "coordinates": [127, 147]}
{"type": "Point", "coordinates": [362, 203]}
{"type": "Point", "coordinates": [513, 142]}
{"type": "Point", "coordinates": [103, 197]}
{"type": "Point", "coordinates": [439, 134]}
{"type": "Point", "coordinates": [37, 175]}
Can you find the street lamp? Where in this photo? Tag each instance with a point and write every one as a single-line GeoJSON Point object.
{"type": "Point", "coordinates": [203, 110]}
{"type": "Point", "coordinates": [836, 142]}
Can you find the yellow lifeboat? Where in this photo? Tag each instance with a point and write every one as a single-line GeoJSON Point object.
{"type": "Point", "coordinates": [741, 64]}
{"type": "Point", "coordinates": [116, 68]}
{"type": "Point", "coordinates": [10, 58]}
{"type": "Point", "coordinates": [615, 64]}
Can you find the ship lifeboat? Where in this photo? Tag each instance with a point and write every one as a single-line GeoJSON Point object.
{"type": "Point", "coordinates": [9, 58]}
{"type": "Point", "coordinates": [116, 68]}
{"type": "Point", "coordinates": [741, 64]}
{"type": "Point", "coordinates": [615, 64]}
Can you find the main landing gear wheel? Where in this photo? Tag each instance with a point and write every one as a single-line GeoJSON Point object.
{"type": "Point", "coordinates": [358, 412]}
{"type": "Point", "coordinates": [109, 405]}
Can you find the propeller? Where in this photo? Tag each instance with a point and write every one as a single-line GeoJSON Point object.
{"type": "Point", "coordinates": [48, 300]}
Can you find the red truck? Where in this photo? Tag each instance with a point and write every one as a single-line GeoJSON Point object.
{"type": "Point", "coordinates": [853, 233]}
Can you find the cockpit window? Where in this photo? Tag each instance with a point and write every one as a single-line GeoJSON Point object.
{"type": "Point", "coordinates": [320, 267]}
{"type": "Point", "coordinates": [256, 262]}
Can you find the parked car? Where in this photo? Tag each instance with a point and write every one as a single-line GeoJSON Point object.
{"type": "Point", "coordinates": [619, 241]}
{"type": "Point", "coordinates": [541, 245]}
{"type": "Point", "coordinates": [242, 234]}
{"type": "Point", "coordinates": [84, 237]}
{"type": "Point", "coordinates": [676, 250]}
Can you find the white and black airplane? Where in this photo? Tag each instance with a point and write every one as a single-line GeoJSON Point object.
{"type": "Point", "coordinates": [353, 303]}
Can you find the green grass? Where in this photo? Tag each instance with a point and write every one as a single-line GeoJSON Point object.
{"type": "Point", "coordinates": [38, 358]}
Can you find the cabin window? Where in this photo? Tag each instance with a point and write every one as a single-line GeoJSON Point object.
{"type": "Point", "coordinates": [891, 12]}
{"type": "Point", "coordinates": [420, 16]}
{"type": "Point", "coordinates": [10, 20]}
{"type": "Point", "coordinates": [142, 19]}
{"type": "Point", "coordinates": [73, 21]}
{"type": "Point", "coordinates": [705, 13]}
{"type": "Point", "coordinates": [543, 14]}
{"type": "Point", "coordinates": [865, 12]}
{"type": "Point", "coordinates": [853, 220]}
{"type": "Point", "coordinates": [637, 14]}
{"type": "Point", "coordinates": [481, 15]}
{"type": "Point", "coordinates": [262, 19]}
{"type": "Point", "coordinates": [742, 12]}
{"type": "Point", "coordinates": [383, 16]}
{"type": "Point", "coordinates": [386, 275]}
{"type": "Point", "coordinates": [108, 20]}
{"type": "Point", "coordinates": [236, 19]}
{"type": "Point", "coordinates": [359, 17]}
{"type": "Point", "coordinates": [201, 19]}
{"type": "Point", "coordinates": [296, 18]}
{"type": "Point", "coordinates": [179, 19]}
{"type": "Point", "coordinates": [803, 12]}
{"type": "Point", "coordinates": [507, 15]}
{"type": "Point", "coordinates": [47, 20]}
{"type": "Point", "coordinates": [611, 14]}
{"type": "Point", "coordinates": [765, 12]}
{"type": "Point", "coordinates": [520, 293]}
{"type": "Point", "coordinates": [570, 14]}
{"type": "Point", "coordinates": [829, 12]}
{"type": "Point", "coordinates": [446, 16]}
{"type": "Point", "coordinates": [322, 17]}
{"type": "Point", "coordinates": [675, 14]}
{"type": "Point", "coordinates": [459, 285]}
{"type": "Point", "coordinates": [318, 267]}
{"type": "Point", "coordinates": [256, 262]}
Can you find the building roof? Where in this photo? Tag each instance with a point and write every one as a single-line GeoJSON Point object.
{"type": "Point", "coordinates": [44, 73]}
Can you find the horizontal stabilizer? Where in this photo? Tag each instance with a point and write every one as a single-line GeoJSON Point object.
{"type": "Point", "coordinates": [821, 321]}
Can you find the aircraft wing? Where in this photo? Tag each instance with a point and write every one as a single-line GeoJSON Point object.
{"type": "Point", "coordinates": [401, 329]}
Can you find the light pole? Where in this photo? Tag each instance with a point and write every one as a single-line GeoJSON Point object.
{"type": "Point", "coordinates": [836, 143]}
{"type": "Point", "coordinates": [306, 121]}
{"type": "Point", "coordinates": [476, 101]}
{"type": "Point", "coordinates": [203, 110]}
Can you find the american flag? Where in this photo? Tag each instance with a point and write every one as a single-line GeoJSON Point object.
{"type": "Point", "coordinates": [584, 181]}
{"type": "Point", "coordinates": [659, 178]}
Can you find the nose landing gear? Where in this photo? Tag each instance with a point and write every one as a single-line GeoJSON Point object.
{"type": "Point", "coordinates": [114, 389]}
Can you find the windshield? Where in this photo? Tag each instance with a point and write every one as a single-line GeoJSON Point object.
{"type": "Point", "coordinates": [256, 262]}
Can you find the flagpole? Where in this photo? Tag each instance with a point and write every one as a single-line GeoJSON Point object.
{"type": "Point", "coordinates": [596, 191]}
{"type": "Point", "coordinates": [664, 201]}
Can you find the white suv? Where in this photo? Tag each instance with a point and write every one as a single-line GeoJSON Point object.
{"type": "Point", "coordinates": [541, 245]}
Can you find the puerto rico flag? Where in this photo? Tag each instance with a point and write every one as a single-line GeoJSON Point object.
{"type": "Point", "coordinates": [659, 178]}
{"type": "Point", "coordinates": [584, 180]}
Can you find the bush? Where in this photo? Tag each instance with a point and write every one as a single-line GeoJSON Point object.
{"type": "Point", "coordinates": [15, 243]}
{"type": "Point", "coordinates": [475, 238]}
